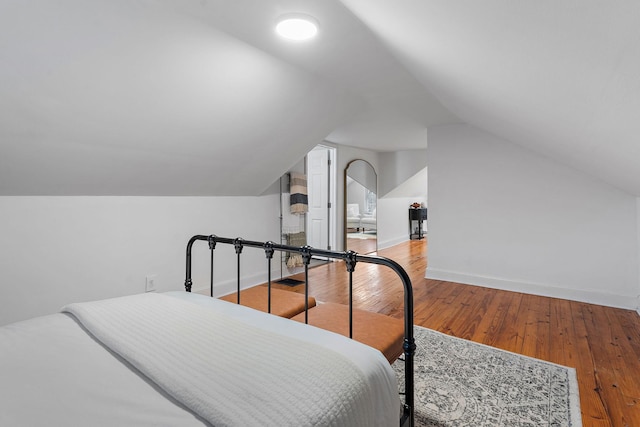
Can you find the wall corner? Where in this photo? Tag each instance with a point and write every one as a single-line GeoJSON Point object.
{"type": "Point", "coordinates": [638, 252]}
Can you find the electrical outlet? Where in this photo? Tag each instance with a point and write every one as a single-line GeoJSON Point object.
{"type": "Point", "coordinates": [150, 285]}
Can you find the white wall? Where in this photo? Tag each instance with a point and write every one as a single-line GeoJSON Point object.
{"type": "Point", "coordinates": [393, 219]}
{"type": "Point", "coordinates": [395, 204]}
{"type": "Point", "coordinates": [638, 291]}
{"type": "Point", "coordinates": [504, 217]}
{"type": "Point", "coordinates": [57, 250]}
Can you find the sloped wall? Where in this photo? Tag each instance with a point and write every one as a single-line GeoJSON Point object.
{"type": "Point", "coordinates": [504, 217]}
{"type": "Point", "coordinates": [166, 105]}
{"type": "Point", "coordinates": [399, 166]}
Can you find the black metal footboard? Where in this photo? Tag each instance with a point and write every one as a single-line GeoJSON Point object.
{"type": "Point", "coordinates": [351, 259]}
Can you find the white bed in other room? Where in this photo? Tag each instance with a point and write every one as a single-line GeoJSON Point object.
{"type": "Point", "coordinates": [187, 360]}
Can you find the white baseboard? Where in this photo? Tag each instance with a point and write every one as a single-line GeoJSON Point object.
{"type": "Point", "coordinates": [392, 242]}
{"type": "Point", "coordinates": [229, 286]}
{"type": "Point", "coordinates": [600, 298]}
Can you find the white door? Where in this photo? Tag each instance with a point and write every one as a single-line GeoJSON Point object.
{"type": "Point", "coordinates": [318, 194]}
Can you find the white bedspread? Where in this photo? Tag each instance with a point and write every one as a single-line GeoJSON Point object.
{"type": "Point", "coordinates": [54, 374]}
{"type": "Point", "coordinates": [200, 358]}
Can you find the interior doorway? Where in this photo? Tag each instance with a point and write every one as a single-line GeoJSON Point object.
{"type": "Point", "coordinates": [321, 182]}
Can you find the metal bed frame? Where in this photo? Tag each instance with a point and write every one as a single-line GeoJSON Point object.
{"type": "Point", "coordinates": [350, 258]}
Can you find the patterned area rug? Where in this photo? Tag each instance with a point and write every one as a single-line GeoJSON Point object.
{"type": "Point", "coordinates": [462, 383]}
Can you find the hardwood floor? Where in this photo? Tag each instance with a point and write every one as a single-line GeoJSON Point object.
{"type": "Point", "coordinates": [362, 246]}
{"type": "Point", "coordinates": [602, 343]}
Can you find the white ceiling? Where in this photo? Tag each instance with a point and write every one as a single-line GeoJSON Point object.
{"type": "Point", "coordinates": [200, 97]}
{"type": "Point", "coordinates": [559, 77]}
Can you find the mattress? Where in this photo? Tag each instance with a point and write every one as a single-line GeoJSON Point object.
{"type": "Point", "coordinates": [54, 372]}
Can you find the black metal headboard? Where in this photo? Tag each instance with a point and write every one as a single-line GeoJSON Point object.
{"type": "Point", "coordinates": [351, 259]}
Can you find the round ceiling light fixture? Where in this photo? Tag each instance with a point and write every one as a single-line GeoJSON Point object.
{"type": "Point", "coordinates": [298, 27]}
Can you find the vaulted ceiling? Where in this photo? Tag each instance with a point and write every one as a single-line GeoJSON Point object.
{"type": "Point", "coordinates": [559, 77]}
{"type": "Point", "coordinates": [200, 97]}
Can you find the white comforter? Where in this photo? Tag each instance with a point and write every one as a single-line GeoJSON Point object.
{"type": "Point", "coordinates": [197, 358]}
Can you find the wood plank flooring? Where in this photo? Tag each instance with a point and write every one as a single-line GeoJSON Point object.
{"type": "Point", "coordinates": [602, 343]}
{"type": "Point", "coordinates": [362, 246]}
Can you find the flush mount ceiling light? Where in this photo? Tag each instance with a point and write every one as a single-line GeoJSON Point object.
{"type": "Point", "coordinates": [297, 27]}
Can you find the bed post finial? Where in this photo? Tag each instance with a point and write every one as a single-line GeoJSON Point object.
{"type": "Point", "coordinates": [212, 239]}
{"type": "Point", "coordinates": [305, 251]}
{"type": "Point", "coordinates": [350, 260]}
{"type": "Point", "coordinates": [237, 243]}
{"type": "Point", "coordinates": [268, 249]}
